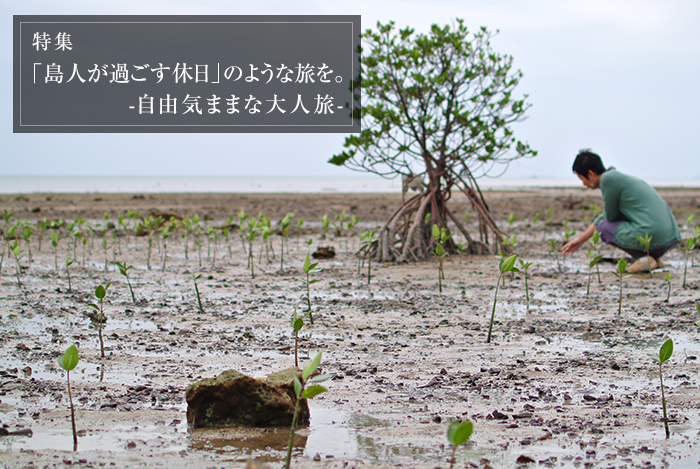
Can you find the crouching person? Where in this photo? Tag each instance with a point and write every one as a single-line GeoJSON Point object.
{"type": "Point", "coordinates": [632, 208]}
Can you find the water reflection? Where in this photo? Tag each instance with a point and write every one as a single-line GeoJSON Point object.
{"type": "Point", "coordinates": [265, 443]}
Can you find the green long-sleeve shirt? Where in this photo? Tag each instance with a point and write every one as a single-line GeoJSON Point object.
{"type": "Point", "coordinates": [639, 208]}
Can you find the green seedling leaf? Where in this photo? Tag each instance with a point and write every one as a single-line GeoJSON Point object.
{"type": "Point", "coordinates": [94, 306]}
{"type": "Point", "coordinates": [319, 378]}
{"type": "Point", "coordinates": [595, 260]}
{"type": "Point", "coordinates": [436, 232]}
{"type": "Point", "coordinates": [508, 264]}
{"type": "Point", "coordinates": [101, 291]}
{"type": "Point", "coordinates": [69, 360]}
{"type": "Point", "coordinates": [311, 367]}
{"type": "Point", "coordinates": [621, 266]}
{"type": "Point", "coordinates": [312, 391]}
{"type": "Point", "coordinates": [297, 386]}
{"type": "Point", "coordinates": [297, 324]}
{"type": "Point", "coordinates": [459, 432]}
{"type": "Point", "coordinates": [311, 282]}
{"type": "Point", "coordinates": [666, 351]}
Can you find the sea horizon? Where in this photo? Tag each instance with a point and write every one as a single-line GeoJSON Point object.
{"type": "Point", "coordinates": [214, 184]}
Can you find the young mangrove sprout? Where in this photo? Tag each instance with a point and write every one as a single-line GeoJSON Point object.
{"type": "Point", "coordinates": [668, 282]}
{"type": "Point", "coordinates": [665, 353]}
{"type": "Point", "coordinates": [595, 239]}
{"type": "Point", "coordinates": [300, 227]}
{"type": "Point", "coordinates": [196, 290]}
{"type": "Point", "coordinates": [164, 234]}
{"type": "Point", "coordinates": [457, 434]}
{"type": "Point", "coordinates": [17, 252]}
{"type": "Point", "coordinates": [105, 248]}
{"type": "Point", "coordinates": [124, 270]}
{"type": "Point", "coordinates": [302, 390]}
{"type": "Point", "coordinates": [645, 241]}
{"type": "Point", "coordinates": [297, 324]}
{"type": "Point", "coordinates": [26, 234]}
{"type": "Point", "coordinates": [554, 250]}
{"type": "Point", "coordinates": [504, 265]}
{"type": "Point", "coordinates": [367, 238]}
{"type": "Point", "coordinates": [69, 262]}
{"type": "Point", "coordinates": [99, 319]}
{"type": "Point", "coordinates": [687, 249]}
{"type": "Point", "coordinates": [325, 226]}
{"type": "Point", "coordinates": [284, 225]}
{"type": "Point", "coordinates": [55, 238]}
{"type": "Point", "coordinates": [68, 361]}
{"type": "Point", "coordinates": [524, 266]}
{"type": "Point", "coordinates": [309, 269]}
{"type": "Point", "coordinates": [440, 235]}
{"type": "Point", "coordinates": [593, 259]}
{"type": "Point", "coordinates": [620, 274]}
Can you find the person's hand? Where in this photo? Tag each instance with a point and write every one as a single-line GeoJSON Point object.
{"type": "Point", "coordinates": [571, 246]}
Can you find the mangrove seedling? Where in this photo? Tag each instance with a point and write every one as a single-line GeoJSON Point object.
{"type": "Point", "coordinates": [595, 239]}
{"type": "Point", "coordinates": [309, 269]}
{"type": "Point", "coordinates": [620, 274]}
{"type": "Point", "coordinates": [99, 319]}
{"type": "Point", "coordinates": [17, 252]}
{"type": "Point", "coordinates": [196, 290]}
{"type": "Point", "coordinates": [697, 307]}
{"type": "Point", "coordinates": [689, 221]}
{"type": "Point", "coordinates": [553, 250]}
{"type": "Point", "coordinates": [68, 361]}
{"type": "Point", "coordinates": [297, 324]}
{"type": "Point", "coordinates": [105, 248]}
{"type": "Point", "coordinates": [165, 234]}
{"type": "Point", "coordinates": [339, 223]}
{"type": "Point", "coordinates": [457, 434]}
{"type": "Point", "coordinates": [367, 238]}
{"type": "Point", "coordinates": [352, 223]}
{"type": "Point", "coordinates": [325, 226]}
{"type": "Point", "coordinates": [536, 217]}
{"type": "Point", "coordinates": [440, 235]}
{"type": "Point", "coordinates": [665, 353]}
{"type": "Point", "coordinates": [524, 266]}
{"type": "Point", "coordinates": [124, 270]}
{"type": "Point", "coordinates": [26, 234]}
{"type": "Point", "coordinates": [668, 282]}
{"type": "Point", "coordinates": [593, 259]}
{"type": "Point", "coordinates": [69, 262]}
{"type": "Point", "coordinates": [687, 249]}
{"type": "Point", "coordinates": [645, 241]}
{"type": "Point", "coordinates": [505, 265]}
{"type": "Point", "coordinates": [284, 231]}
{"type": "Point", "coordinates": [55, 238]}
{"type": "Point", "coordinates": [302, 390]}
{"type": "Point", "coordinates": [300, 225]}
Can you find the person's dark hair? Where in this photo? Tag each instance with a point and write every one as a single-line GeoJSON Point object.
{"type": "Point", "coordinates": [586, 161]}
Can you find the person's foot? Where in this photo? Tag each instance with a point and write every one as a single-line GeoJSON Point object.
{"type": "Point", "coordinates": [659, 264]}
{"type": "Point", "coordinates": [643, 264]}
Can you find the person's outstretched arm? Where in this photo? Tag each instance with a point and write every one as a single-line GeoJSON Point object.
{"type": "Point", "coordinates": [573, 245]}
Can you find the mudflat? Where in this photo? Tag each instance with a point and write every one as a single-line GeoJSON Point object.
{"type": "Point", "coordinates": [565, 382]}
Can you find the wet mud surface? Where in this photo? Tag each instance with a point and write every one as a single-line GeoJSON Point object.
{"type": "Point", "coordinates": [566, 382]}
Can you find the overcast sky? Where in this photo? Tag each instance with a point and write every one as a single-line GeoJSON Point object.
{"type": "Point", "coordinates": [618, 76]}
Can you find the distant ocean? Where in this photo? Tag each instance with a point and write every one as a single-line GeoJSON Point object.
{"type": "Point", "coordinates": [27, 184]}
